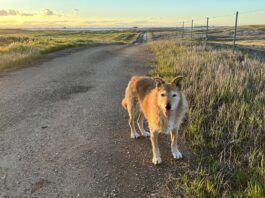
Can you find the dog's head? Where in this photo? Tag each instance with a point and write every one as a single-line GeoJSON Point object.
{"type": "Point", "coordinates": [169, 94]}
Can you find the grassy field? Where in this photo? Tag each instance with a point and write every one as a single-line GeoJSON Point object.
{"type": "Point", "coordinates": [247, 36]}
{"type": "Point", "coordinates": [225, 128]}
{"type": "Point", "coordinates": [20, 46]}
{"type": "Point", "coordinates": [250, 36]}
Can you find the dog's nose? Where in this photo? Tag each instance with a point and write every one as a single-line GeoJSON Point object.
{"type": "Point", "coordinates": [168, 106]}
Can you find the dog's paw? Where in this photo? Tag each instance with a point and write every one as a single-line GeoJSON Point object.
{"type": "Point", "coordinates": [177, 155]}
{"type": "Point", "coordinates": [135, 135]}
{"type": "Point", "coordinates": [146, 134]}
{"type": "Point", "coordinates": [156, 160]}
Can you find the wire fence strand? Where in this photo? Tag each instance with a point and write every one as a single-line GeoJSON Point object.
{"type": "Point", "coordinates": [210, 30]}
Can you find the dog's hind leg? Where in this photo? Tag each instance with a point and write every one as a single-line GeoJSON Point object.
{"type": "Point", "coordinates": [132, 112]}
{"type": "Point", "coordinates": [140, 122]}
{"type": "Point", "coordinates": [134, 134]}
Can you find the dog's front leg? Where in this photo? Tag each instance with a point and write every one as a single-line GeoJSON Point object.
{"type": "Point", "coordinates": [174, 146]}
{"type": "Point", "coordinates": [156, 153]}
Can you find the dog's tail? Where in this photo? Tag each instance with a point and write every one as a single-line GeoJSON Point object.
{"type": "Point", "coordinates": [124, 104]}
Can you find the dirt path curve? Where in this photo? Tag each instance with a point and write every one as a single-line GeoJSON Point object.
{"type": "Point", "coordinates": [63, 132]}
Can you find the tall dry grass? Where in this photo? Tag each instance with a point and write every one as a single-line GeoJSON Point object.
{"type": "Point", "coordinates": [226, 126]}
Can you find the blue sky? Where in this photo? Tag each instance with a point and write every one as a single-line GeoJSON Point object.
{"type": "Point", "coordinates": [124, 13]}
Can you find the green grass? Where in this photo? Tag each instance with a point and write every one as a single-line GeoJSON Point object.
{"type": "Point", "coordinates": [225, 128]}
{"type": "Point", "coordinates": [21, 46]}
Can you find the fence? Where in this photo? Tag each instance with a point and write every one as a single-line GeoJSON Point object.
{"type": "Point", "coordinates": [226, 30]}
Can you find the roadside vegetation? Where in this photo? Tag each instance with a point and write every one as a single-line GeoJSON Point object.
{"type": "Point", "coordinates": [20, 46]}
{"type": "Point", "coordinates": [225, 128]}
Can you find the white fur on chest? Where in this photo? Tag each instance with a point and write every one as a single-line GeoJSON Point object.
{"type": "Point", "coordinates": [170, 126]}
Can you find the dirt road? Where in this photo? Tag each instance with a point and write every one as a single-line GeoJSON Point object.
{"type": "Point", "coordinates": [63, 132]}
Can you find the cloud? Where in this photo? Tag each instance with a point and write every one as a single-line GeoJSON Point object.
{"type": "Point", "coordinates": [154, 18]}
{"type": "Point", "coordinates": [3, 13]}
{"type": "Point", "coordinates": [71, 18]}
{"type": "Point", "coordinates": [14, 13]}
{"type": "Point", "coordinates": [8, 12]}
{"type": "Point", "coordinates": [72, 13]}
{"type": "Point", "coordinates": [27, 14]}
{"type": "Point", "coordinates": [47, 12]}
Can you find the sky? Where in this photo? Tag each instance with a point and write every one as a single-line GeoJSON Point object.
{"type": "Point", "coordinates": [122, 13]}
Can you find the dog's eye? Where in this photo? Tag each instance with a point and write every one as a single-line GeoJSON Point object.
{"type": "Point", "coordinates": [174, 95]}
{"type": "Point", "coordinates": [163, 95]}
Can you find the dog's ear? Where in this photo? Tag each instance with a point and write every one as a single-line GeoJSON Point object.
{"type": "Point", "coordinates": [177, 81]}
{"type": "Point", "coordinates": [159, 81]}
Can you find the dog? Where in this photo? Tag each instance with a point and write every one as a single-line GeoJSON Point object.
{"type": "Point", "coordinates": [162, 104]}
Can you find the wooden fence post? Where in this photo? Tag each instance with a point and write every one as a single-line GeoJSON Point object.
{"type": "Point", "coordinates": [234, 41]}
{"type": "Point", "coordinates": [206, 33]}
{"type": "Point", "coordinates": [183, 25]}
{"type": "Point", "coordinates": [191, 30]}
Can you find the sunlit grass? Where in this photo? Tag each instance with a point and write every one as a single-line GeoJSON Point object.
{"type": "Point", "coordinates": [226, 127]}
{"type": "Point", "coordinates": [19, 46]}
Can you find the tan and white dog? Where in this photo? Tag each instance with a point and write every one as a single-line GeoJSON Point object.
{"type": "Point", "coordinates": [163, 106]}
